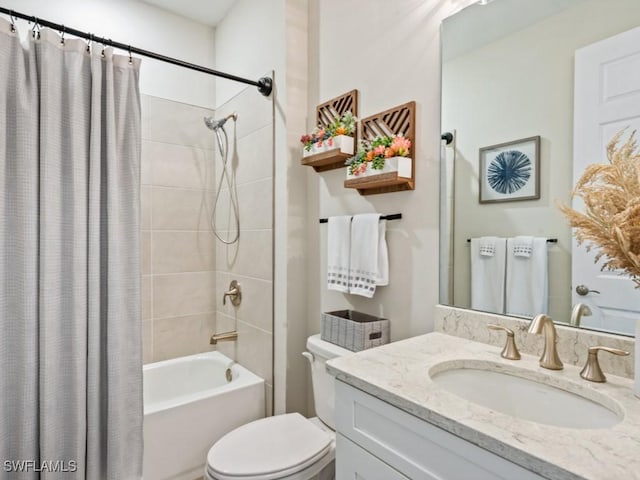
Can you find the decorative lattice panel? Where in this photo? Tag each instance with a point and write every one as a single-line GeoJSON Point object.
{"type": "Point", "coordinates": [400, 120]}
{"type": "Point", "coordinates": [327, 112]}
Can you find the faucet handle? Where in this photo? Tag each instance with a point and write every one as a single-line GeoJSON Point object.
{"type": "Point", "coordinates": [592, 370]}
{"type": "Point", "coordinates": [510, 350]}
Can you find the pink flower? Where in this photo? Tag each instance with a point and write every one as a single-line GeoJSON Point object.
{"type": "Point", "coordinates": [401, 146]}
{"type": "Point", "coordinates": [330, 141]}
{"type": "Point", "coordinates": [379, 151]}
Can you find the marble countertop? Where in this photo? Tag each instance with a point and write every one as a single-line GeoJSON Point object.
{"type": "Point", "coordinates": [398, 374]}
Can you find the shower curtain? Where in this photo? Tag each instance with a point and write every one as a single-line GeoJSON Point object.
{"type": "Point", "coordinates": [70, 329]}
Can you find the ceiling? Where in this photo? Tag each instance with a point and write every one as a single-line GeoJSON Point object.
{"type": "Point", "coordinates": [208, 12]}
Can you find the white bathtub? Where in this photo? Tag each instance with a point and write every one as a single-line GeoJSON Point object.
{"type": "Point", "coordinates": [188, 405]}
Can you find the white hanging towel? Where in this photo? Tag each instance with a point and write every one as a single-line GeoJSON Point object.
{"type": "Point", "coordinates": [369, 265]}
{"type": "Point", "coordinates": [338, 251]}
{"type": "Point", "coordinates": [527, 290]}
{"type": "Point", "coordinates": [488, 274]}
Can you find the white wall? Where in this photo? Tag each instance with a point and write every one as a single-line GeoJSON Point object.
{"type": "Point", "coordinates": [142, 26]}
{"type": "Point", "coordinates": [390, 52]}
{"type": "Point", "coordinates": [257, 36]}
{"type": "Point", "coordinates": [249, 42]}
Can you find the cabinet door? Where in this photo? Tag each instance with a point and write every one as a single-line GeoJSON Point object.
{"type": "Point", "coordinates": [414, 447]}
{"type": "Point", "coordinates": [355, 463]}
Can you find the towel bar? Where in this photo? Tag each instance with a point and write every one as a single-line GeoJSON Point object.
{"type": "Point", "coordinates": [549, 240]}
{"type": "Point", "coordinates": [393, 216]}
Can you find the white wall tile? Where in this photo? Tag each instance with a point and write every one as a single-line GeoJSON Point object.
{"type": "Point", "coordinates": [180, 209]}
{"type": "Point", "coordinates": [181, 336]}
{"type": "Point", "coordinates": [250, 257]}
{"type": "Point", "coordinates": [177, 252]}
{"type": "Point", "coordinates": [183, 294]}
{"type": "Point", "coordinates": [175, 122]}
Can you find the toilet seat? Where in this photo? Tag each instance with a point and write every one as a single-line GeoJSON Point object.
{"type": "Point", "coordinates": [269, 448]}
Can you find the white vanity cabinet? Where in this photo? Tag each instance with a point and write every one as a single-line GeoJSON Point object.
{"type": "Point", "coordinates": [377, 441]}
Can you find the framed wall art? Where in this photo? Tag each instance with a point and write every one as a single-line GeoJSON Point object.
{"type": "Point", "coordinates": [510, 171]}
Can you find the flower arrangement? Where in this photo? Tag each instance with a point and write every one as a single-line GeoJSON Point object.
{"type": "Point", "coordinates": [344, 125]}
{"type": "Point", "coordinates": [374, 153]}
{"type": "Point", "coordinates": [611, 195]}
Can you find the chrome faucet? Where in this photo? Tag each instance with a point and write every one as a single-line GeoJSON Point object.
{"type": "Point", "coordinates": [579, 310]}
{"type": "Point", "coordinates": [543, 324]}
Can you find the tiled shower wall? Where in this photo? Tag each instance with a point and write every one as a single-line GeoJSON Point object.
{"type": "Point", "coordinates": [185, 269]}
{"type": "Point", "coordinates": [250, 261]}
{"type": "Point", "coordinates": [178, 249]}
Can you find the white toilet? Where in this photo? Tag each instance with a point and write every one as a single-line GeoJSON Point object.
{"type": "Point", "coordinates": [285, 447]}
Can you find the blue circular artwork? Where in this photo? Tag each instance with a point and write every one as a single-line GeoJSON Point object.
{"type": "Point", "coordinates": [509, 171]}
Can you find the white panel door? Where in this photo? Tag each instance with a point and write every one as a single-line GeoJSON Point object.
{"type": "Point", "coordinates": [607, 99]}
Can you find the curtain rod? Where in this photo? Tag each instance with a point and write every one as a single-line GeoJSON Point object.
{"type": "Point", "coordinates": [264, 84]}
{"type": "Point", "coordinates": [393, 216]}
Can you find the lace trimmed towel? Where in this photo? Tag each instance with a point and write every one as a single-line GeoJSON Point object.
{"type": "Point", "coordinates": [523, 246]}
{"type": "Point", "coordinates": [487, 246]}
{"type": "Point", "coordinates": [338, 251]}
{"type": "Point", "coordinates": [369, 264]}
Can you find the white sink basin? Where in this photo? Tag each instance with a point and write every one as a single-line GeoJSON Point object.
{"type": "Point", "coordinates": [524, 398]}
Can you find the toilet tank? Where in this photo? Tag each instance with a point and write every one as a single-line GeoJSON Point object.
{"type": "Point", "coordinates": [323, 382]}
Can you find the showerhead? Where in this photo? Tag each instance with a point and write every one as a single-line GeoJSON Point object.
{"type": "Point", "coordinates": [214, 124]}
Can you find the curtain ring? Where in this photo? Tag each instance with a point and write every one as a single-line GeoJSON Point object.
{"type": "Point", "coordinates": [130, 59]}
{"type": "Point", "coordinates": [35, 31]}
{"type": "Point", "coordinates": [13, 21]}
{"type": "Point", "coordinates": [62, 32]}
{"type": "Point", "coordinates": [89, 40]}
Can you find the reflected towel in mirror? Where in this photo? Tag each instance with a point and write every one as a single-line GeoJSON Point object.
{"type": "Point", "coordinates": [527, 289]}
{"type": "Point", "coordinates": [488, 274]}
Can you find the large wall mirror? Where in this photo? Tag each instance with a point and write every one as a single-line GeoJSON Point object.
{"type": "Point", "coordinates": [533, 90]}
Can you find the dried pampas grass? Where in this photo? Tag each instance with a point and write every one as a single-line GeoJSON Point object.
{"type": "Point", "coordinates": [611, 195]}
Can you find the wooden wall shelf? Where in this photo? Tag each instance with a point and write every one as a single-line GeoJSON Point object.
{"type": "Point", "coordinates": [395, 121]}
{"type": "Point", "coordinates": [327, 113]}
{"type": "Point", "coordinates": [383, 183]}
{"type": "Point", "coordinates": [321, 162]}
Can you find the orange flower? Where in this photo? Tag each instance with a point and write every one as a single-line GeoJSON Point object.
{"type": "Point", "coordinates": [370, 155]}
{"type": "Point", "coordinates": [341, 131]}
{"type": "Point", "coordinates": [388, 153]}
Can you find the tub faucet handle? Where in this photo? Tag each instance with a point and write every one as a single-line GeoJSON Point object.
{"type": "Point", "coordinates": [234, 292]}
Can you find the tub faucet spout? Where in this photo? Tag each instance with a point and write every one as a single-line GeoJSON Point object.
{"type": "Point", "coordinates": [223, 337]}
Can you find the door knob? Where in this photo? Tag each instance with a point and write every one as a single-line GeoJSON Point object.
{"type": "Point", "coordinates": [584, 290]}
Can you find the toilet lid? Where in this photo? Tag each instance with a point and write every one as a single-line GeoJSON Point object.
{"type": "Point", "coordinates": [268, 448]}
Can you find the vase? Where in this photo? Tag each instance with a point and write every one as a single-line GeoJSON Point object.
{"type": "Point", "coordinates": [401, 165]}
